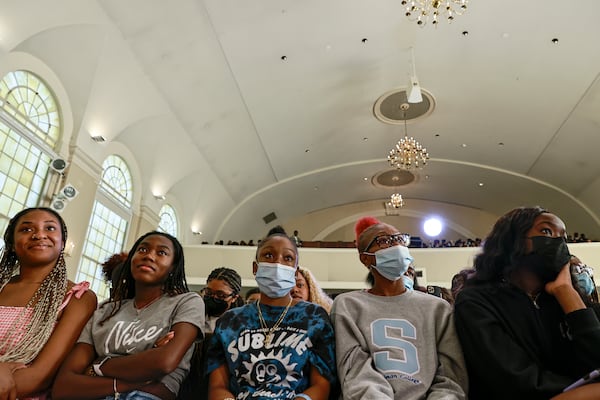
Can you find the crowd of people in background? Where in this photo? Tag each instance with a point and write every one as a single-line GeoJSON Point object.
{"type": "Point", "coordinates": [527, 313]}
{"type": "Point", "coordinates": [435, 243]}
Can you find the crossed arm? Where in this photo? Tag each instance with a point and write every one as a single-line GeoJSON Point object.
{"type": "Point", "coordinates": [143, 370]}
{"type": "Point", "coordinates": [19, 380]}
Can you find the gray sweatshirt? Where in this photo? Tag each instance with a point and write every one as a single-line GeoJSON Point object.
{"type": "Point", "coordinates": [397, 347]}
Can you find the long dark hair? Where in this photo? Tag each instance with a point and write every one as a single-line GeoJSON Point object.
{"type": "Point", "coordinates": [505, 244]}
{"type": "Point", "coordinates": [125, 284]}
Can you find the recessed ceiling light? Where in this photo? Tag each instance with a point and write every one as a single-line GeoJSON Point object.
{"type": "Point", "coordinates": [480, 184]}
{"type": "Point", "coordinates": [307, 150]}
{"type": "Point", "coordinates": [283, 58]}
{"type": "Point", "coordinates": [365, 179]}
{"type": "Point", "coordinates": [500, 143]}
{"type": "Point", "coordinates": [555, 40]}
{"type": "Point", "coordinates": [364, 40]}
{"type": "Point", "coordinates": [463, 145]}
{"type": "Point", "coordinates": [365, 139]}
{"type": "Point", "coordinates": [465, 33]}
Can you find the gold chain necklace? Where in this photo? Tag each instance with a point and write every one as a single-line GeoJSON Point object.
{"type": "Point", "coordinates": [264, 325]}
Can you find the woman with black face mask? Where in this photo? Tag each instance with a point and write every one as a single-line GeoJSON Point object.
{"type": "Point", "coordinates": [524, 328]}
{"type": "Point", "coordinates": [222, 292]}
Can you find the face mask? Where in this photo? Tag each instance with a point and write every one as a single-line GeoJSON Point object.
{"type": "Point", "coordinates": [585, 283]}
{"type": "Point", "coordinates": [392, 262]}
{"type": "Point", "coordinates": [408, 282]}
{"type": "Point", "coordinates": [275, 280]}
{"type": "Point", "coordinates": [549, 256]}
{"type": "Point", "coordinates": [215, 307]}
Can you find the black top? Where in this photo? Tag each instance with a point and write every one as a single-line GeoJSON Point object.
{"type": "Point", "coordinates": [516, 348]}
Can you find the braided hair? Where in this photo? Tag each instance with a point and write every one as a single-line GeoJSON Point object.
{"type": "Point", "coordinates": [231, 278]}
{"type": "Point", "coordinates": [20, 345]}
{"type": "Point", "coordinates": [124, 287]}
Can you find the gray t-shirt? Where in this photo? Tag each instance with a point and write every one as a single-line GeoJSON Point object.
{"type": "Point", "coordinates": [131, 331]}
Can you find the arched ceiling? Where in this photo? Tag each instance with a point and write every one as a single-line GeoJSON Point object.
{"type": "Point", "coordinates": [235, 109]}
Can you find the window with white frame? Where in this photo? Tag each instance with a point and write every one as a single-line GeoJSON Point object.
{"type": "Point", "coordinates": [29, 132]}
{"type": "Point", "coordinates": [108, 225]}
{"type": "Point", "coordinates": [168, 220]}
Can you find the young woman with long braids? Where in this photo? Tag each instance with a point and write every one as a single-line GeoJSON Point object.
{"type": "Point", "coordinates": [278, 347]}
{"type": "Point", "coordinates": [41, 312]}
{"type": "Point", "coordinates": [139, 345]}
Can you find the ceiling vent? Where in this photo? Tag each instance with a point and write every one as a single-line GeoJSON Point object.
{"type": "Point", "coordinates": [388, 108]}
{"type": "Point", "coordinates": [393, 178]}
{"type": "Point", "coordinates": [269, 218]}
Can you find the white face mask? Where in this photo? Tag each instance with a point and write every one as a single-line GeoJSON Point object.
{"type": "Point", "coordinates": [392, 262]}
{"type": "Point", "coordinates": [275, 280]}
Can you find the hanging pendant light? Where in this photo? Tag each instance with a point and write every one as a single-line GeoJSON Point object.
{"type": "Point", "coordinates": [407, 153]}
{"type": "Point", "coordinates": [396, 201]}
{"type": "Point", "coordinates": [423, 11]}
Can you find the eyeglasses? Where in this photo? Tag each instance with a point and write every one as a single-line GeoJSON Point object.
{"type": "Point", "coordinates": [388, 240]}
{"type": "Point", "coordinates": [218, 294]}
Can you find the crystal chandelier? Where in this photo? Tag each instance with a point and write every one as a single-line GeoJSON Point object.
{"type": "Point", "coordinates": [396, 200]}
{"type": "Point", "coordinates": [424, 10]}
{"type": "Point", "coordinates": [408, 153]}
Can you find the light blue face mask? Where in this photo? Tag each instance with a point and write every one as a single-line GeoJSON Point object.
{"type": "Point", "coordinates": [392, 262]}
{"type": "Point", "coordinates": [409, 283]}
{"type": "Point", "coordinates": [275, 280]}
{"type": "Point", "coordinates": [585, 283]}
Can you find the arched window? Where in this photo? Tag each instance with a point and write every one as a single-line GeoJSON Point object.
{"type": "Point", "coordinates": [108, 225]}
{"type": "Point", "coordinates": [168, 220]}
{"type": "Point", "coordinates": [29, 132]}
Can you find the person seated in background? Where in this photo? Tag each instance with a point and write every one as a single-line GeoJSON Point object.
{"type": "Point", "coordinates": [458, 280]}
{"type": "Point", "coordinates": [279, 347]}
{"type": "Point", "coordinates": [41, 312]}
{"type": "Point", "coordinates": [410, 279]}
{"type": "Point", "coordinates": [582, 277]}
{"type": "Point", "coordinates": [139, 345]}
{"type": "Point", "coordinates": [525, 331]}
{"type": "Point", "coordinates": [252, 295]}
{"type": "Point", "coordinates": [222, 293]}
{"type": "Point", "coordinates": [393, 343]}
{"type": "Point", "coordinates": [111, 268]}
{"type": "Point", "coordinates": [307, 288]}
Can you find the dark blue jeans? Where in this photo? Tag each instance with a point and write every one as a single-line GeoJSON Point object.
{"type": "Point", "coordinates": [134, 395]}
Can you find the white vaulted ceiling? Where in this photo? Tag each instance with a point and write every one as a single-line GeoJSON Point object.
{"type": "Point", "coordinates": [236, 109]}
